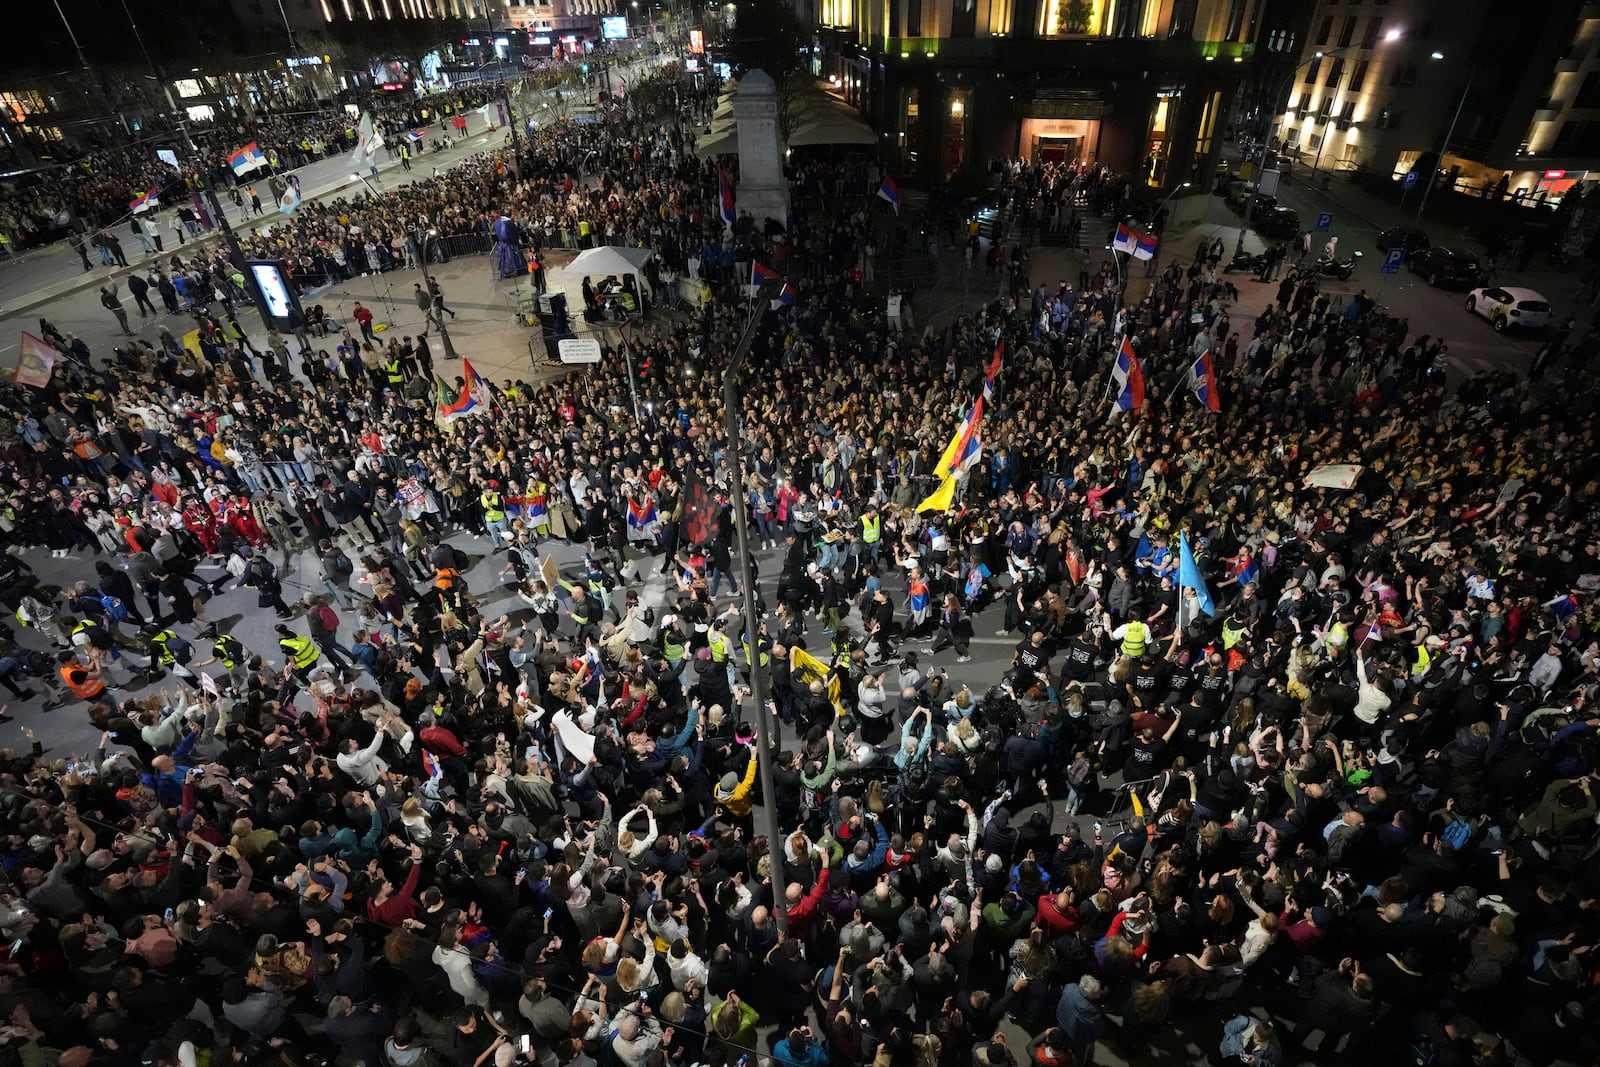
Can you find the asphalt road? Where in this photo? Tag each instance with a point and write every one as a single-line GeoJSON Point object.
{"type": "Point", "coordinates": [1473, 343]}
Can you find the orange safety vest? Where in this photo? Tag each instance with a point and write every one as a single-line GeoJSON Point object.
{"type": "Point", "coordinates": [88, 688]}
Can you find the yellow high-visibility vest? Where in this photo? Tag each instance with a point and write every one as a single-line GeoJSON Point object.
{"type": "Point", "coordinates": [1135, 638]}
{"type": "Point", "coordinates": [300, 650]}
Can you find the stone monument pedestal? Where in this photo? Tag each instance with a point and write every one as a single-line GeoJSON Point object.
{"type": "Point", "coordinates": [762, 193]}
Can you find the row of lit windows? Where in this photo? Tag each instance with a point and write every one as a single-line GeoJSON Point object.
{"type": "Point", "coordinates": [373, 10]}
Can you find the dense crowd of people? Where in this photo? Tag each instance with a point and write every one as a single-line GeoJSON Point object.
{"type": "Point", "coordinates": [1354, 801]}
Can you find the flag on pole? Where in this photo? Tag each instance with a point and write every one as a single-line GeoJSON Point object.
{"type": "Point", "coordinates": [993, 371]}
{"type": "Point", "coordinates": [891, 192]}
{"type": "Point", "coordinates": [642, 520]}
{"type": "Point", "coordinates": [702, 512]}
{"type": "Point", "coordinates": [1203, 381]}
{"type": "Point", "coordinates": [783, 293]}
{"type": "Point", "coordinates": [808, 668]}
{"type": "Point", "coordinates": [36, 363]}
{"type": "Point", "coordinates": [143, 201]}
{"type": "Point", "coordinates": [1189, 576]}
{"type": "Point", "coordinates": [416, 135]}
{"type": "Point", "coordinates": [368, 139]}
{"type": "Point", "coordinates": [941, 498]}
{"type": "Point", "coordinates": [730, 215]}
{"type": "Point", "coordinates": [1129, 378]}
{"type": "Point", "coordinates": [472, 398]}
{"type": "Point", "coordinates": [966, 447]}
{"type": "Point", "coordinates": [247, 158]}
{"type": "Point", "coordinates": [1134, 242]}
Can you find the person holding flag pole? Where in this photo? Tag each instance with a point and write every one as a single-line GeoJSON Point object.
{"type": "Point", "coordinates": [963, 451]}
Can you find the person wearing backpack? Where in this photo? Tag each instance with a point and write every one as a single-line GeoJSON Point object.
{"type": "Point", "coordinates": [170, 651]}
{"type": "Point", "coordinates": [323, 623]}
{"type": "Point", "coordinates": [227, 651]}
{"type": "Point", "coordinates": [337, 570]}
{"type": "Point", "coordinates": [260, 574]}
{"type": "Point", "coordinates": [117, 583]}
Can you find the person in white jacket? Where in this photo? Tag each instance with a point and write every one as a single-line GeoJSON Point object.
{"type": "Point", "coordinates": [1374, 699]}
{"type": "Point", "coordinates": [363, 764]}
{"type": "Point", "coordinates": [685, 966]}
{"type": "Point", "coordinates": [457, 965]}
{"type": "Point", "coordinates": [632, 844]}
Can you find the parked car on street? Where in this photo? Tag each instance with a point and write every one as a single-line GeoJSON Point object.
{"type": "Point", "coordinates": [1506, 307]}
{"type": "Point", "coordinates": [1446, 266]}
{"type": "Point", "coordinates": [1279, 222]}
{"type": "Point", "coordinates": [1412, 241]}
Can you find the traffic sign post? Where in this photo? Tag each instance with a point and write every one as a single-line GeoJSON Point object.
{"type": "Point", "coordinates": [1391, 261]}
{"type": "Point", "coordinates": [1325, 221]}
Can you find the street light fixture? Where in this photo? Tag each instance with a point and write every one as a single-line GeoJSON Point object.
{"type": "Point", "coordinates": [1438, 159]}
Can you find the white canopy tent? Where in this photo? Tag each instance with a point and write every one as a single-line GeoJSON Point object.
{"type": "Point", "coordinates": [609, 259]}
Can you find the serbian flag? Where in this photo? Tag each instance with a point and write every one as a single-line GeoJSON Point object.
{"type": "Point", "coordinates": [1203, 381]}
{"type": "Point", "coordinates": [1124, 240]}
{"type": "Point", "coordinates": [247, 158]}
{"type": "Point", "coordinates": [993, 371]}
{"type": "Point", "coordinates": [537, 513]}
{"type": "Point", "coordinates": [1136, 244]}
{"type": "Point", "coordinates": [416, 135]}
{"type": "Point", "coordinates": [891, 192]}
{"type": "Point", "coordinates": [725, 198]}
{"type": "Point", "coordinates": [642, 521]}
{"type": "Point", "coordinates": [785, 297]}
{"type": "Point", "coordinates": [1129, 378]}
{"type": "Point", "coordinates": [760, 272]}
{"type": "Point", "coordinates": [143, 201]}
{"type": "Point", "coordinates": [473, 397]}
{"type": "Point", "coordinates": [966, 446]}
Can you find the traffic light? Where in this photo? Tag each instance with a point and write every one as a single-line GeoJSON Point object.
{"type": "Point", "coordinates": [586, 68]}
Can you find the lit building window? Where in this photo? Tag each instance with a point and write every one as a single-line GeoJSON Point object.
{"type": "Point", "coordinates": [1072, 18]}
{"type": "Point", "coordinates": [1162, 117]}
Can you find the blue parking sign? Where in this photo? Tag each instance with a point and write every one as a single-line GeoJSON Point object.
{"type": "Point", "coordinates": [1391, 261]}
{"type": "Point", "coordinates": [1325, 221]}
{"type": "Point", "coordinates": [1410, 179]}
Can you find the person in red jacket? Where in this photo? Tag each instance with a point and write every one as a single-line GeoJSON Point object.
{"type": "Point", "coordinates": [363, 317]}
{"type": "Point", "coordinates": [803, 909]}
{"type": "Point", "coordinates": [391, 907]}
{"type": "Point", "coordinates": [1058, 915]}
{"type": "Point", "coordinates": [451, 754]}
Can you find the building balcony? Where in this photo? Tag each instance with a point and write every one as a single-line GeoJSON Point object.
{"type": "Point", "coordinates": [1048, 53]}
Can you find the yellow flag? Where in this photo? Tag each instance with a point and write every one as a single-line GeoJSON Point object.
{"type": "Point", "coordinates": [813, 669]}
{"type": "Point", "coordinates": [941, 498]}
